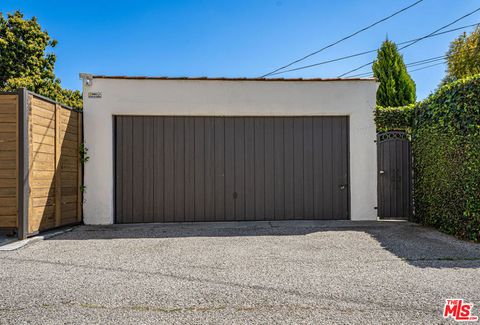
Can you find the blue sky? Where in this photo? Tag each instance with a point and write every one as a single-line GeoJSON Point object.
{"type": "Point", "coordinates": [244, 38]}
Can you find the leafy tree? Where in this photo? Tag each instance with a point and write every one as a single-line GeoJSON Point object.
{"type": "Point", "coordinates": [25, 63]}
{"type": "Point", "coordinates": [463, 56]}
{"type": "Point", "coordinates": [396, 86]}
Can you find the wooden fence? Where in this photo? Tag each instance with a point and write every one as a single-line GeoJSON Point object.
{"type": "Point", "coordinates": [40, 167]}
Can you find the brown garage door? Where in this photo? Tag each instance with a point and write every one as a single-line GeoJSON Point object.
{"type": "Point", "coordinates": [177, 169]}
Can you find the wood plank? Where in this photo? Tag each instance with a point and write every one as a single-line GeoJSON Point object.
{"type": "Point", "coordinates": [158, 163]}
{"type": "Point", "coordinates": [44, 113]}
{"type": "Point", "coordinates": [39, 132]}
{"type": "Point", "coordinates": [259, 168]}
{"type": "Point", "coordinates": [7, 202]}
{"type": "Point", "coordinates": [209, 169]}
{"type": "Point", "coordinates": [279, 169]}
{"type": "Point", "coordinates": [43, 192]}
{"type": "Point", "coordinates": [327, 168]}
{"type": "Point", "coordinates": [43, 121]}
{"type": "Point", "coordinates": [8, 163]}
{"type": "Point", "coordinates": [298, 167]}
{"type": "Point", "coordinates": [8, 127]}
{"type": "Point", "coordinates": [44, 157]}
{"type": "Point", "coordinates": [318, 176]}
{"type": "Point", "coordinates": [169, 169]}
{"type": "Point", "coordinates": [8, 136]}
{"type": "Point", "coordinates": [38, 103]}
{"type": "Point", "coordinates": [8, 154]}
{"type": "Point", "coordinates": [8, 173]}
{"type": "Point", "coordinates": [42, 165]}
{"type": "Point", "coordinates": [8, 191]}
{"type": "Point", "coordinates": [288, 168]}
{"type": "Point", "coordinates": [8, 118]}
{"type": "Point", "coordinates": [44, 148]}
{"type": "Point", "coordinates": [199, 168]}
{"type": "Point", "coordinates": [179, 168]}
{"type": "Point", "coordinates": [250, 168]}
{"type": "Point", "coordinates": [8, 210]}
{"type": "Point", "coordinates": [308, 168]}
{"type": "Point", "coordinates": [219, 168]}
{"type": "Point", "coordinates": [8, 221]}
{"type": "Point", "coordinates": [269, 169]}
{"type": "Point", "coordinates": [189, 169]}
{"type": "Point", "coordinates": [138, 172]}
{"type": "Point", "coordinates": [8, 146]}
{"type": "Point", "coordinates": [42, 183]}
{"type": "Point", "coordinates": [42, 201]}
{"type": "Point", "coordinates": [8, 182]}
{"type": "Point", "coordinates": [239, 172]}
{"type": "Point", "coordinates": [229, 169]}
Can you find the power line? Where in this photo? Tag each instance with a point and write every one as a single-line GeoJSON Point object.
{"type": "Point", "coordinates": [417, 63]}
{"type": "Point", "coordinates": [366, 52]}
{"type": "Point", "coordinates": [428, 66]}
{"type": "Point", "coordinates": [421, 38]}
{"type": "Point", "coordinates": [343, 39]}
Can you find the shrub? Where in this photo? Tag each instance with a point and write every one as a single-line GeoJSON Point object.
{"type": "Point", "coordinates": [394, 118]}
{"type": "Point", "coordinates": [446, 164]}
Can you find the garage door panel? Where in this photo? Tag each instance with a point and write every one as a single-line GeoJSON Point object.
{"type": "Point", "coordinates": [148, 161]}
{"type": "Point", "coordinates": [239, 161]}
{"type": "Point", "coordinates": [297, 167]}
{"type": "Point", "coordinates": [229, 169]}
{"type": "Point", "coordinates": [179, 169]}
{"type": "Point", "coordinates": [209, 169]}
{"type": "Point", "coordinates": [279, 172]}
{"type": "Point", "coordinates": [288, 168]}
{"type": "Point", "coordinates": [219, 186]}
{"type": "Point", "coordinates": [175, 169]}
{"type": "Point", "coordinates": [189, 169]}
{"type": "Point", "coordinates": [138, 179]}
{"type": "Point", "coordinates": [308, 167]}
{"type": "Point", "coordinates": [259, 143]}
{"type": "Point", "coordinates": [269, 169]}
{"type": "Point", "coordinates": [159, 167]}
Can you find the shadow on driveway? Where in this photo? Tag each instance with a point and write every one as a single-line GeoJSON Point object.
{"type": "Point", "coordinates": [417, 245]}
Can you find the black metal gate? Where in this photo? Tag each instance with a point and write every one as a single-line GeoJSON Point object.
{"type": "Point", "coordinates": [394, 188]}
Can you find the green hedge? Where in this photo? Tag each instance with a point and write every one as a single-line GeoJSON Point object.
{"type": "Point", "coordinates": [446, 165]}
{"type": "Point", "coordinates": [445, 132]}
{"type": "Point", "coordinates": [394, 118]}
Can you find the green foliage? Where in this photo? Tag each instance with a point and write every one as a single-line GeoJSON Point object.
{"type": "Point", "coordinates": [463, 56]}
{"type": "Point", "coordinates": [25, 63]}
{"type": "Point", "coordinates": [446, 165]}
{"type": "Point", "coordinates": [394, 118]}
{"type": "Point", "coordinates": [83, 150]}
{"type": "Point", "coordinates": [396, 86]}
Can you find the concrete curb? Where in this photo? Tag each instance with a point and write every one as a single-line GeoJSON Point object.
{"type": "Point", "coordinates": [17, 244]}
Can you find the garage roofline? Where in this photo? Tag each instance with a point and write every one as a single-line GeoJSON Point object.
{"type": "Point", "coordinates": [229, 79]}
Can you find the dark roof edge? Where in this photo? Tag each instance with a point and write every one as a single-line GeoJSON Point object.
{"type": "Point", "coordinates": [231, 79]}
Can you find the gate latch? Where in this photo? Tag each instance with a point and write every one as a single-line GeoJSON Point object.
{"type": "Point", "coordinates": [382, 172]}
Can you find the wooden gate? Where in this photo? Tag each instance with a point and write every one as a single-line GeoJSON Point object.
{"type": "Point", "coordinates": [394, 188]}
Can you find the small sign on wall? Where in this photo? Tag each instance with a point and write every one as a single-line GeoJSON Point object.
{"type": "Point", "coordinates": [94, 94]}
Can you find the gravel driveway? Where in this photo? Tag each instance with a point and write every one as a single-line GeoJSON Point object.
{"type": "Point", "coordinates": [302, 272]}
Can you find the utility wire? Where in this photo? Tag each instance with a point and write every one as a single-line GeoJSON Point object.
{"type": "Point", "coordinates": [416, 41]}
{"type": "Point", "coordinates": [366, 52]}
{"type": "Point", "coordinates": [343, 39]}
{"type": "Point", "coordinates": [420, 62]}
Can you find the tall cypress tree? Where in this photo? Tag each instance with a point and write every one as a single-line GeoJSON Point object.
{"type": "Point", "coordinates": [396, 86]}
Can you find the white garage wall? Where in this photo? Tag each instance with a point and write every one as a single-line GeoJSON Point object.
{"type": "Point", "coordinates": [355, 98]}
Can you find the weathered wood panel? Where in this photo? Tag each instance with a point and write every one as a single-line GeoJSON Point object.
{"type": "Point", "coordinates": [8, 160]}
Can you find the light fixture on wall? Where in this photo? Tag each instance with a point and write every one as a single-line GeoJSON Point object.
{"type": "Point", "coordinates": [87, 78]}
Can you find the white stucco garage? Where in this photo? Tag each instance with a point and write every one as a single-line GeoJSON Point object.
{"type": "Point", "coordinates": [198, 149]}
